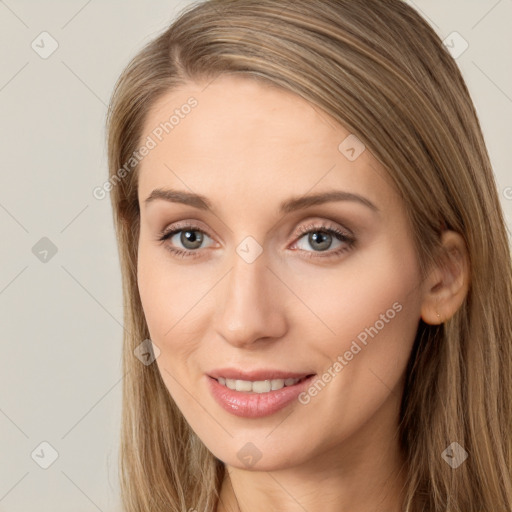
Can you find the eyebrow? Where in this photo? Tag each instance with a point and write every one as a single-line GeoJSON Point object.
{"type": "Point", "coordinates": [290, 205]}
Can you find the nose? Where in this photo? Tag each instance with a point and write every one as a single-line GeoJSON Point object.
{"type": "Point", "coordinates": [250, 306]}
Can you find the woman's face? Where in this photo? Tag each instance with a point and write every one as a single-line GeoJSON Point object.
{"type": "Point", "coordinates": [262, 279]}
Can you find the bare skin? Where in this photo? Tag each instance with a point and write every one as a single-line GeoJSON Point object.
{"type": "Point", "coordinates": [247, 147]}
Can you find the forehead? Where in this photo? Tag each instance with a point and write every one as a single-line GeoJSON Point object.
{"type": "Point", "coordinates": [250, 139]}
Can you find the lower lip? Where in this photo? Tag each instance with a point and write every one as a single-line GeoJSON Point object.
{"type": "Point", "coordinates": [255, 405]}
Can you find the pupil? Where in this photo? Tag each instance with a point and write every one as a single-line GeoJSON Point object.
{"type": "Point", "coordinates": [191, 237]}
{"type": "Point", "coordinates": [323, 238]}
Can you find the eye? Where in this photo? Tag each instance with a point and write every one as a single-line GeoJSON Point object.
{"type": "Point", "coordinates": [189, 236]}
{"type": "Point", "coordinates": [321, 238]}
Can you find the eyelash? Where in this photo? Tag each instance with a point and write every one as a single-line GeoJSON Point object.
{"type": "Point", "coordinates": [303, 230]}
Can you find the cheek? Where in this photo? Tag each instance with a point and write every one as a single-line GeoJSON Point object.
{"type": "Point", "coordinates": [172, 300]}
{"type": "Point", "coordinates": [371, 312]}
{"type": "Point", "coordinates": [373, 295]}
{"type": "Point", "coordinates": [158, 298]}
{"type": "Point", "coordinates": [152, 285]}
{"type": "Point", "coordinates": [379, 280]}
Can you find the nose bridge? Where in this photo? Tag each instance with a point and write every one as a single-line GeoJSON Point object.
{"type": "Point", "coordinates": [247, 281]}
{"type": "Point", "coordinates": [248, 306]}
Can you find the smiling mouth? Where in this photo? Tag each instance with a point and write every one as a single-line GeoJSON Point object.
{"type": "Point", "coordinates": [259, 386]}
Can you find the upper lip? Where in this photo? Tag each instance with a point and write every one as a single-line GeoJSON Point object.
{"type": "Point", "coordinates": [256, 375]}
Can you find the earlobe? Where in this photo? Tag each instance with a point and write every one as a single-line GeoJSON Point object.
{"type": "Point", "coordinates": [448, 283]}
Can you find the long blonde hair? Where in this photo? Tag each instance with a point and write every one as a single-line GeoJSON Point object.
{"type": "Point", "coordinates": [382, 72]}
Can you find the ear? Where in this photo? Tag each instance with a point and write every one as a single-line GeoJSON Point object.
{"type": "Point", "coordinates": [448, 283]}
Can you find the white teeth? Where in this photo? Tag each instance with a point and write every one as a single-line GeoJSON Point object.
{"type": "Point", "coordinates": [260, 386]}
{"type": "Point", "coordinates": [277, 384]}
{"type": "Point", "coordinates": [243, 385]}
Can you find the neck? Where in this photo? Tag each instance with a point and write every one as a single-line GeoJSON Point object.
{"type": "Point", "coordinates": [354, 478]}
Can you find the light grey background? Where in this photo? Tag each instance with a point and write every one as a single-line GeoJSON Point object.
{"type": "Point", "coordinates": [61, 320]}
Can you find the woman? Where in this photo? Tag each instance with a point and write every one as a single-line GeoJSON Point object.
{"type": "Point", "coordinates": [317, 277]}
